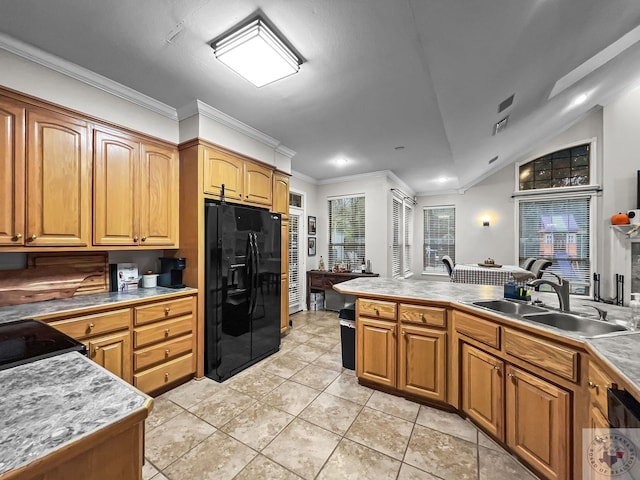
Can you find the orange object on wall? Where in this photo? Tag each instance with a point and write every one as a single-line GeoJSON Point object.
{"type": "Point", "coordinates": [620, 219]}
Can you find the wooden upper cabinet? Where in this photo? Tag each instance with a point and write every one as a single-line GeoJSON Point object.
{"type": "Point", "coordinates": [159, 199]}
{"type": "Point", "coordinates": [115, 189]}
{"type": "Point", "coordinates": [58, 202]}
{"type": "Point", "coordinates": [12, 162]}
{"type": "Point", "coordinates": [135, 192]}
{"type": "Point", "coordinates": [244, 181]}
{"type": "Point", "coordinates": [258, 184]}
{"type": "Point", "coordinates": [281, 194]}
{"type": "Point", "coordinates": [223, 169]}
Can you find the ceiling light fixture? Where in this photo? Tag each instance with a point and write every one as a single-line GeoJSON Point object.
{"type": "Point", "coordinates": [341, 162]}
{"type": "Point", "coordinates": [580, 99]}
{"type": "Point", "coordinates": [255, 53]}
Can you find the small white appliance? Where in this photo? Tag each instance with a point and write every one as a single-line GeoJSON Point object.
{"type": "Point", "coordinates": [634, 217]}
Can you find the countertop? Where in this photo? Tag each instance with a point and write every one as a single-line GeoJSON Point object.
{"type": "Point", "coordinates": [56, 401]}
{"type": "Point", "coordinates": [95, 300]}
{"type": "Point", "coordinates": [619, 350]}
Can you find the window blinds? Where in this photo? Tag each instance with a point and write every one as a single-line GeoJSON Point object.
{"type": "Point", "coordinates": [295, 295]}
{"type": "Point", "coordinates": [559, 230]}
{"type": "Point", "coordinates": [439, 237]}
{"type": "Point", "coordinates": [396, 268]}
{"type": "Point", "coordinates": [408, 234]}
{"type": "Point", "coordinates": [346, 231]}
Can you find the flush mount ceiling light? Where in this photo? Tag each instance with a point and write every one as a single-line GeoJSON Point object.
{"type": "Point", "coordinates": [255, 53]}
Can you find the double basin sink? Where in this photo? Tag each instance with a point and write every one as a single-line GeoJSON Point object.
{"type": "Point", "coordinates": [569, 322]}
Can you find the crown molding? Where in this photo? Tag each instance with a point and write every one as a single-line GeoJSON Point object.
{"type": "Point", "coordinates": [57, 64]}
{"type": "Point", "coordinates": [198, 107]}
{"type": "Point", "coordinates": [303, 177]}
{"type": "Point", "coordinates": [451, 191]}
{"type": "Point", "coordinates": [403, 186]}
{"type": "Point", "coordinates": [287, 152]}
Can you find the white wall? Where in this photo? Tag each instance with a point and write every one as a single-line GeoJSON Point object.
{"type": "Point", "coordinates": [36, 80]}
{"type": "Point", "coordinates": [492, 196]}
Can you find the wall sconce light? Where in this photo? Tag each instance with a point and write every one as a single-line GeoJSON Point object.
{"type": "Point", "coordinates": [486, 220]}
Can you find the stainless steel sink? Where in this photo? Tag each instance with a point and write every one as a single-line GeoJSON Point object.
{"type": "Point", "coordinates": [574, 323]}
{"type": "Point", "coordinates": [511, 308]}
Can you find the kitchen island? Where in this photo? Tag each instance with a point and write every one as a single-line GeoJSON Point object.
{"type": "Point", "coordinates": [532, 387]}
{"type": "Point", "coordinates": [65, 417]}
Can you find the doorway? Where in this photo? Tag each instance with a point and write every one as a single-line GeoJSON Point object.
{"type": "Point", "coordinates": [296, 260]}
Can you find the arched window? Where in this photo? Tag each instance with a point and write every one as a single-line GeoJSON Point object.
{"type": "Point", "coordinates": [564, 168]}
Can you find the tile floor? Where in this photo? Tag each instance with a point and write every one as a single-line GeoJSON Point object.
{"type": "Point", "coordinates": [299, 414]}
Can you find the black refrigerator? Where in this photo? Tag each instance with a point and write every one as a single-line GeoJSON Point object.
{"type": "Point", "coordinates": [242, 281]}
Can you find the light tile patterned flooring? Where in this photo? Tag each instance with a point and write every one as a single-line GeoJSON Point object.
{"type": "Point", "coordinates": [299, 414]}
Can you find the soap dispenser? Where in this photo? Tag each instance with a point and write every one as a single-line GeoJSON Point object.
{"type": "Point", "coordinates": [635, 311]}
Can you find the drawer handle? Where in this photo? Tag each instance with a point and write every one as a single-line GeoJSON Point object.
{"type": "Point", "coordinates": [166, 377]}
{"type": "Point", "coordinates": [497, 369]}
{"type": "Point", "coordinates": [510, 375]}
{"type": "Point", "coordinates": [593, 385]}
{"type": "Point", "coordinates": [32, 238]}
{"type": "Point", "coordinates": [135, 239]}
{"type": "Point", "coordinates": [166, 352]}
{"type": "Point", "coordinates": [95, 350]}
{"type": "Point", "coordinates": [166, 332]}
{"type": "Point", "coordinates": [403, 332]}
{"type": "Point", "coordinates": [377, 311]}
{"type": "Point", "coordinates": [167, 310]}
{"type": "Point", "coordinates": [90, 327]}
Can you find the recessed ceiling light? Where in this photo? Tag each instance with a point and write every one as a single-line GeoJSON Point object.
{"type": "Point", "coordinates": [442, 179]}
{"type": "Point", "coordinates": [255, 53]}
{"type": "Point", "coordinates": [580, 99]}
{"type": "Point", "coordinates": [341, 162]}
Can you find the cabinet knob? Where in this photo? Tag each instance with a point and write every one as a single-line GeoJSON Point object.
{"type": "Point", "coordinates": [143, 239]}
{"type": "Point", "coordinates": [135, 239]}
{"type": "Point", "coordinates": [403, 332]}
{"type": "Point", "coordinates": [510, 375]}
{"type": "Point", "coordinates": [422, 316]}
{"type": "Point", "coordinates": [166, 352]}
{"type": "Point", "coordinates": [166, 377]}
{"type": "Point", "coordinates": [90, 327]}
{"type": "Point", "coordinates": [246, 196]}
{"type": "Point", "coordinates": [377, 311]}
{"type": "Point", "coordinates": [497, 368]}
{"type": "Point", "coordinates": [95, 350]}
{"type": "Point", "coordinates": [167, 310]}
{"type": "Point", "coordinates": [592, 385]}
{"type": "Point", "coordinates": [32, 238]}
{"type": "Point", "coordinates": [18, 236]}
{"type": "Point", "coordinates": [166, 332]}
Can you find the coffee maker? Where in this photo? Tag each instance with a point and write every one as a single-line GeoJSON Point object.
{"type": "Point", "coordinates": [171, 272]}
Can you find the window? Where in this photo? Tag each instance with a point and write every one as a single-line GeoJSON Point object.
{"type": "Point", "coordinates": [564, 168]}
{"type": "Point", "coordinates": [402, 231]}
{"type": "Point", "coordinates": [556, 224]}
{"type": "Point", "coordinates": [346, 231]}
{"type": "Point", "coordinates": [439, 238]}
{"type": "Point", "coordinates": [559, 229]}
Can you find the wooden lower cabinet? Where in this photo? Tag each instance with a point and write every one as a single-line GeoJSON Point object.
{"type": "Point", "coordinates": [422, 361]}
{"type": "Point", "coordinates": [112, 352]}
{"type": "Point", "coordinates": [483, 389]}
{"type": "Point", "coordinates": [376, 351]}
{"type": "Point", "coordinates": [538, 423]}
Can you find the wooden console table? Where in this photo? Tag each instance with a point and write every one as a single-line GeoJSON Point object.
{"type": "Point", "coordinates": [318, 280]}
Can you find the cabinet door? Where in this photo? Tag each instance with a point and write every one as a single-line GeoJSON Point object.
{"type": "Point", "coordinates": [284, 266]}
{"type": "Point", "coordinates": [11, 173]}
{"type": "Point", "coordinates": [113, 353]}
{"type": "Point", "coordinates": [538, 423]}
{"type": "Point", "coordinates": [422, 361]}
{"type": "Point", "coordinates": [58, 181]}
{"type": "Point", "coordinates": [223, 169]}
{"type": "Point", "coordinates": [116, 217]}
{"type": "Point", "coordinates": [482, 389]}
{"type": "Point", "coordinates": [376, 351]}
{"type": "Point", "coordinates": [281, 194]}
{"type": "Point", "coordinates": [159, 201]}
{"type": "Point", "coordinates": [258, 184]}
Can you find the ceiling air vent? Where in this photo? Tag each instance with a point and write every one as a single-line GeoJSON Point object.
{"type": "Point", "coordinates": [505, 104]}
{"type": "Point", "coordinates": [493, 159]}
{"type": "Point", "coordinates": [501, 125]}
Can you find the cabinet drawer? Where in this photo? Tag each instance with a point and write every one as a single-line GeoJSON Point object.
{"type": "Point", "coordinates": [162, 310]}
{"type": "Point", "coordinates": [162, 331]}
{"type": "Point", "coordinates": [425, 315]}
{"type": "Point", "coordinates": [164, 374]}
{"type": "Point", "coordinates": [598, 384]}
{"type": "Point", "coordinates": [97, 324]}
{"type": "Point", "coordinates": [162, 352]}
{"type": "Point", "coordinates": [316, 280]}
{"type": "Point", "coordinates": [377, 308]}
{"type": "Point", "coordinates": [540, 352]}
{"type": "Point", "coordinates": [478, 329]}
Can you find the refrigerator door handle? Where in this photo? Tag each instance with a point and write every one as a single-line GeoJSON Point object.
{"type": "Point", "coordinates": [256, 272]}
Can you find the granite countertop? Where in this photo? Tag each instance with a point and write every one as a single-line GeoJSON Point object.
{"type": "Point", "coordinates": [79, 302]}
{"type": "Point", "coordinates": [617, 349]}
{"type": "Point", "coordinates": [56, 401]}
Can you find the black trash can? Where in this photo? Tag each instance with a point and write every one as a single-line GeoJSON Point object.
{"type": "Point", "coordinates": [347, 318]}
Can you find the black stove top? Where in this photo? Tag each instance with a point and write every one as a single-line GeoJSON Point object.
{"type": "Point", "coordinates": [25, 341]}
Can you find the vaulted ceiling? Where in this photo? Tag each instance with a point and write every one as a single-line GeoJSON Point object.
{"type": "Point", "coordinates": [411, 86]}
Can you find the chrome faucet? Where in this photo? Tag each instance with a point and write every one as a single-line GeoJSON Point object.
{"type": "Point", "coordinates": [561, 288]}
